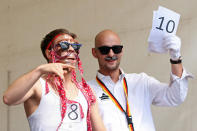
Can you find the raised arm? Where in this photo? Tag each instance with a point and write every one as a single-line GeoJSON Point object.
{"type": "Point", "coordinates": [24, 87]}
{"type": "Point", "coordinates": [177, 69]}
{"type": "Point", "coordinates": [175, 92]}
{"type": "Point", "coordinates": [173, 45]}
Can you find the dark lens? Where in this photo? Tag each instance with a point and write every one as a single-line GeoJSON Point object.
{"type": "Point", "coordinates": [104, 50]}
{"type": "Point", "coordinates": [64, 45]}
{"type": "Point", "coordinates": [76, 46]}
{"type": "Point", "coordinates": [117, 49]}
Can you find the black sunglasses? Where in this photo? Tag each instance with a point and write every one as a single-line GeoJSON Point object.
{"type": "Point", "coordinates": [65, 45]}
{"type": "Point", "coordinates": [104, 50]}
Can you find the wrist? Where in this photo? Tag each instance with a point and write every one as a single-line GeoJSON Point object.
{"type": "Point", "coordinates": [177, 61]}
{"type": "Point", "coordinates": [39, 70]}
{"type": "Point", "coordinates": [175, 55]}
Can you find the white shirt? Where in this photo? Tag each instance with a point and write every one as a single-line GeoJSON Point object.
{"type": "Point", "coordinates": [47, 116]}
{"type": "Point", "coordinates": [143, 91]}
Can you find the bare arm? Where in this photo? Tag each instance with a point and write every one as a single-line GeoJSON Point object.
{"type": "Point", "coordinates": [177, 69]}
{"type": "Point", "coordinates": [23, 88]}
{"type": "Point", "coordinates": [97, 122]}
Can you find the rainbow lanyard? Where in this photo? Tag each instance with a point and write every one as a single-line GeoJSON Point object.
{"type": "Point", "coordinates": [127, 112]}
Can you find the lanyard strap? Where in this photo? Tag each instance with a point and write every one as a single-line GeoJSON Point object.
{"type": "Point", "coordinates": [127, 112]}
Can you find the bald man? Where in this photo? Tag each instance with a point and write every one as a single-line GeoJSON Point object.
{"type": "Point", "coordinates": [125, 99]}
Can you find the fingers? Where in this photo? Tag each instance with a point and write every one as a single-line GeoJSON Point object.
{"type": "Point", "coordinates": [171, 45]}
{"type": "Point", "coordinates": [63, 69]}
{"type": "Point", "coordinates": [172, 38]}
{"type": "Point", "coordinates": [67, 66]}
{"type": "Point", "coordinates": [56, 69]}
{"type": "Point", "coordinates": [172, 42]}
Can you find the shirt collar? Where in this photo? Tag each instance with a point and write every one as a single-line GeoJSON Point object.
{"type": "Point", "coordinates": [101, 76]}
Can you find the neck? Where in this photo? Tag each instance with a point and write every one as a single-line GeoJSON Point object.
{"type": "Point", "coordinates": [67, 79]}
{"type": "Point", "coordinates": [69, 86]}
{"type": "Point", "coordinates": [113, 74]}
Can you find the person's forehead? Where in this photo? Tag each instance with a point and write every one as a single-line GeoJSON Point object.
{"type": "Point", "coordinates": [108, 40]}
{"type": "Point", "coordinates": [63, 37]}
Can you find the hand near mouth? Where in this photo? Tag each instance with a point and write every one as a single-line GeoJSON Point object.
{"type": "Point", "coordinates": [58, 69]}
{"type": "Point", "coordinates": [69, 68]}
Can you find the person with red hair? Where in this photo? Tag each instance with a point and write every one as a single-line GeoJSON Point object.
{"type": "Point", "coordinates": [53, 98]}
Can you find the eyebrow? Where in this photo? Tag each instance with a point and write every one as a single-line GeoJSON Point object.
{"type": "Point", "coordinates": [63, 40]}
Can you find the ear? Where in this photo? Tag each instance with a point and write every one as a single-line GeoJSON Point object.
{"type": "Point", "coordinates": [122, 51]}
{"type": "Point", "coordinates": [94, 53]}
{"type": "Point", "coordinates": [48, 54]}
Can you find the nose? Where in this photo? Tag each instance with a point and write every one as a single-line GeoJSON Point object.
{"type": "Point", "coordinates": [70, 48]}
{"type": "Point", "coordinates": [111, 53]}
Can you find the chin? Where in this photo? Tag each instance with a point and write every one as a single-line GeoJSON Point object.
{"type": "Point", "coordinates": [112, 68]}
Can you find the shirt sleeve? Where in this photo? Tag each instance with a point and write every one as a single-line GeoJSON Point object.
{"type": "Point", "coordinates": [172, 94]}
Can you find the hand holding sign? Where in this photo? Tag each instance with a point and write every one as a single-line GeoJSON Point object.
{"type": "Point", "coordinates": [165, 23]}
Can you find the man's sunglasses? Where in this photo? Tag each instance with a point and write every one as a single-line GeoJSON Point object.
{"type": "Point", "coordinates": [104, 50]}
{"type": "Point", "coordinates": [65, 46]}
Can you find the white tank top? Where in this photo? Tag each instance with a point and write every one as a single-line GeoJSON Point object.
{"type": "Point", "coordinates": [47, 116]}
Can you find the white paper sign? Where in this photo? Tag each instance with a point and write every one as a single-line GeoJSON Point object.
{"type": "Point", "coordinates": [165, 22]}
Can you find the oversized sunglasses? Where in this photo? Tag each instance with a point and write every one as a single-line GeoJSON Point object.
{"type": "Point", "coordinates": [104, 50]}
{"type": "Point", "coordinates": [64, 45]}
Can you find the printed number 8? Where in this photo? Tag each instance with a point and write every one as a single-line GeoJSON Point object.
{"type": "Point", "coordinates": [73, 115]}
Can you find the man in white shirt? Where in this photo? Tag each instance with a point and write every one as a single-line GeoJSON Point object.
{"type": "Point", "coordinates": [125, 99]}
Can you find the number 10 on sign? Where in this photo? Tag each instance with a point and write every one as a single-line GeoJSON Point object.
{"type": "Point", "coordinates": [168, 27]}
